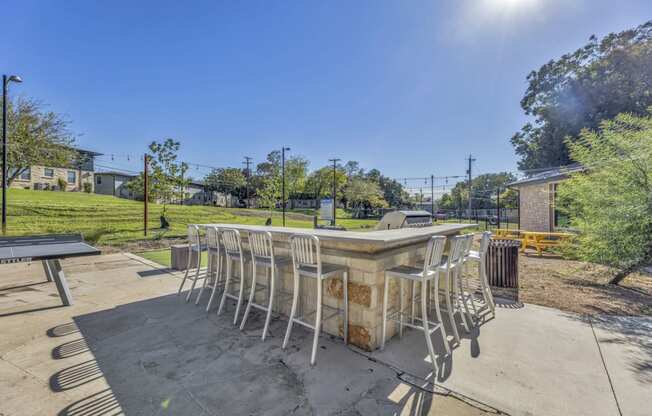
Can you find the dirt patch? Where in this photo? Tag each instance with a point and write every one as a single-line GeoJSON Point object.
{"type": "Point", "coordinates": [581, 287]}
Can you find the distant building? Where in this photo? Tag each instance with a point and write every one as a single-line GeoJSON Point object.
{"type": "Point", "coordinates": [80, 171]}
{"type": "Point", "coordinates": [114, 183]}
{"type": "Point", "coordinates": [537, 199]}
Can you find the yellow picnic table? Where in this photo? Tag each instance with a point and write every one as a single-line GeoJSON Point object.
{"type": "Point", "coordinates": [533, 239]}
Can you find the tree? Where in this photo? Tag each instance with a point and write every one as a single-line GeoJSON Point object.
{"type": "Point", "coordinates": [166, 176]}
{"type": "Point", "coordinates": [364, 194]}
{"type": "Point", "coordinates": [393, 191]}
{"type": "Point", "coordinates": [296, 172]}
{"type": "Point", "coordinates": [36, 137]}
{"type": "Point", "coordinates": [483, 189]}
{"type": "Point", "coordinates": [320, 182]}
{"type": "Point", "coordinates": [230, 181]}
{"type": "Point", "coordinates": [579, 90]}
{"type": "Point", "coordinates": [611, 202]}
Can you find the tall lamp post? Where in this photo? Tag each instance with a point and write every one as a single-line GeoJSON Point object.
{"type": "Point", "coordinates": [6, 79]}
{"type": "Point", "coordinates": [334, 186]}
{"type": "Point", "coordinates": [283, 150]}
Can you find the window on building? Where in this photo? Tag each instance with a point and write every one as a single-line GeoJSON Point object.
{"type": "Point", "coordinates": [48, 172]}
{"type": "Point", "coordinates": [72, 176]}
{"type": "Point", "coordinates": [99, 180]}
{"type": "Point", "coordinates": [560, 218]}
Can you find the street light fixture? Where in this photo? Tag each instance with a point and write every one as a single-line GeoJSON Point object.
{"type": "Point", "coordinates": [5, 82]}
{"type": "Point", "coordinates": [283, 150]}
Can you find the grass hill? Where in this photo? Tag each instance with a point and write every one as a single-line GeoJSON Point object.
{"type": "Point", "coordinates": [108, 220]}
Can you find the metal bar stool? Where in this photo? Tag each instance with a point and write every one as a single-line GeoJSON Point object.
{"type": "Point", "coordinates": [233, 253]}
{"type": "Point", "coordinates": [429, 273]}
{"type": "Point", "coordinates": [463, 290]}
{"type": "Point", "coordinates": [306, 261]}
{"type": "Point", "coordinates": [194, 247]}
{"type": "Point", "coordinates": [451, 268]}
{"type": "Point", "coordinates": [214, 281]}
{"type": "Point", "coordinates": [483, 287]}
{"type": "Point", "coordinates": [262, 255]}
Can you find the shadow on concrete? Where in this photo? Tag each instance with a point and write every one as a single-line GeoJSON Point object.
{"type": "Point", "coordinates": [62, 330]}
{"type": "Point", "coordinates": [165, 356]}
{"type": "Point", "coordinates": [156, 272]}
{"type": "Point", "coordinates": [75, 376]}
{"type": "Point", "coordinates": [103, 403]}
{"type": "Point", "coordinates": [25, 311]}
{"type": "Point", "coordinates": [70, 349]}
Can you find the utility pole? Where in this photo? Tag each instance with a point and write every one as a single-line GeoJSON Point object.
{"type": "Point", "coordinates": [335, 160]}
{"type": "Point", "coordinates": [432, 196]}
{"type": "Point", "coordinates": [283, 180]}
{"type": "Point", "coordinates": [145, 191]}
{"type": "Point", "coordinates": [247, 162]}
{"type": "Point", "coordinates": [468, 172]}
{"type": "Point", "coordinates": [498, 206]}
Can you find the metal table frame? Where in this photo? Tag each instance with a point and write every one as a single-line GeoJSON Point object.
{"type": "Point", "coordinates": [49, 249]}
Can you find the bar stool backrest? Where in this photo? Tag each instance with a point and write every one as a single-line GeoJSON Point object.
{"type": "Point", "coordinates": [261, 245]}
{"type": "Point", "coordinates": [305, 251]}
{"type": "Point", "coordinates": [484, 244]}
{"type": "Point", "coordinates": [468, 244]}
{"type": "Point", "coordinates": [232, 242]}
{"type": "Point", "coordinates": [193, 235]}
{"type": "Point", "coordinates": [434, 252]}
{"type": "Point", "coordinates": [457, 249]}
{"type": "Point", "coordinates": [213, 239]}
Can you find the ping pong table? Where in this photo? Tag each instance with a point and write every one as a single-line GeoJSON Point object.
{"type": "Point", "coordinates": [48, 249]}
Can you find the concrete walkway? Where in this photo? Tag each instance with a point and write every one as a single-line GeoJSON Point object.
{"type": "Point", "coordinates": [130, 346]}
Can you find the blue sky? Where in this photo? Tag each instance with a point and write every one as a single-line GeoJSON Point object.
{"type": "Point", "coordinates": [409, 87]}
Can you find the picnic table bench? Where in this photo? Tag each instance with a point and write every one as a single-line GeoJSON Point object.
{"type": "Point", "coordinates": [534, 239]}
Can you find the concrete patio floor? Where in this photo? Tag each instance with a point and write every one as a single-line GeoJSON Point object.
{"type": "Point", "coordinates": [130, 346]}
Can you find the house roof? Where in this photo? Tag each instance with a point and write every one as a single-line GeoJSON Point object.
{"type": "Point", "coordinates": [549, 175]}
{"type": "Point", "coordinates": [115, 173]}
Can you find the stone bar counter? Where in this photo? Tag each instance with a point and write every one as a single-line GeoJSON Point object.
{"type": "Point", "coordinates": [367, 255]}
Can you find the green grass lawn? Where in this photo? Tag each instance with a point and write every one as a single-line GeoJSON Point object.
{"type": "Point", "coordinates": [108, 220]}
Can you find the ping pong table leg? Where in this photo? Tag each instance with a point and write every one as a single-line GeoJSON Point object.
{"type": "Point", "coordinates": [48, 272]}
{"type": "Point", "coordinates": [60, 281]}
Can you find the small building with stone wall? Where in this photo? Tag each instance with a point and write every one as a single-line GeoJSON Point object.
{"type": "Point", "coordinates": [537, 199]}
{"type": "Point", "coordinates": [78, 176]}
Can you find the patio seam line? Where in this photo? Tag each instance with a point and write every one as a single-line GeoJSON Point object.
{"type": "Point", "coordinates": [153, 264]}
{"type": "Point", "coordinates": [604, 365]}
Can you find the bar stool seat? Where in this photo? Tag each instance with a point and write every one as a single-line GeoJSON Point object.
{"type": "Point", "coordinates": [327, 270]}
{"type": "Point", "coordinates": [411, 273]}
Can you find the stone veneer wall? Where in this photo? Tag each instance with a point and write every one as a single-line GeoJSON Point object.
{"type": "Point", "coordinates": [535, 207]}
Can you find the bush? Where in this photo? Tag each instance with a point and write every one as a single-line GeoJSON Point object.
{"type": "Point", "coordinates": [611, 202]}
{"type": "Point", "coordinates": [87, 187]}
{"type": "Point", "coordinates": [62, 183]}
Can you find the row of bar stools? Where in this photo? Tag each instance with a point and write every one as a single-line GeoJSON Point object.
{"type": "Point", "coordinates": [224, 245]}
{"type": "Point", "coordinates": [306, 263]}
